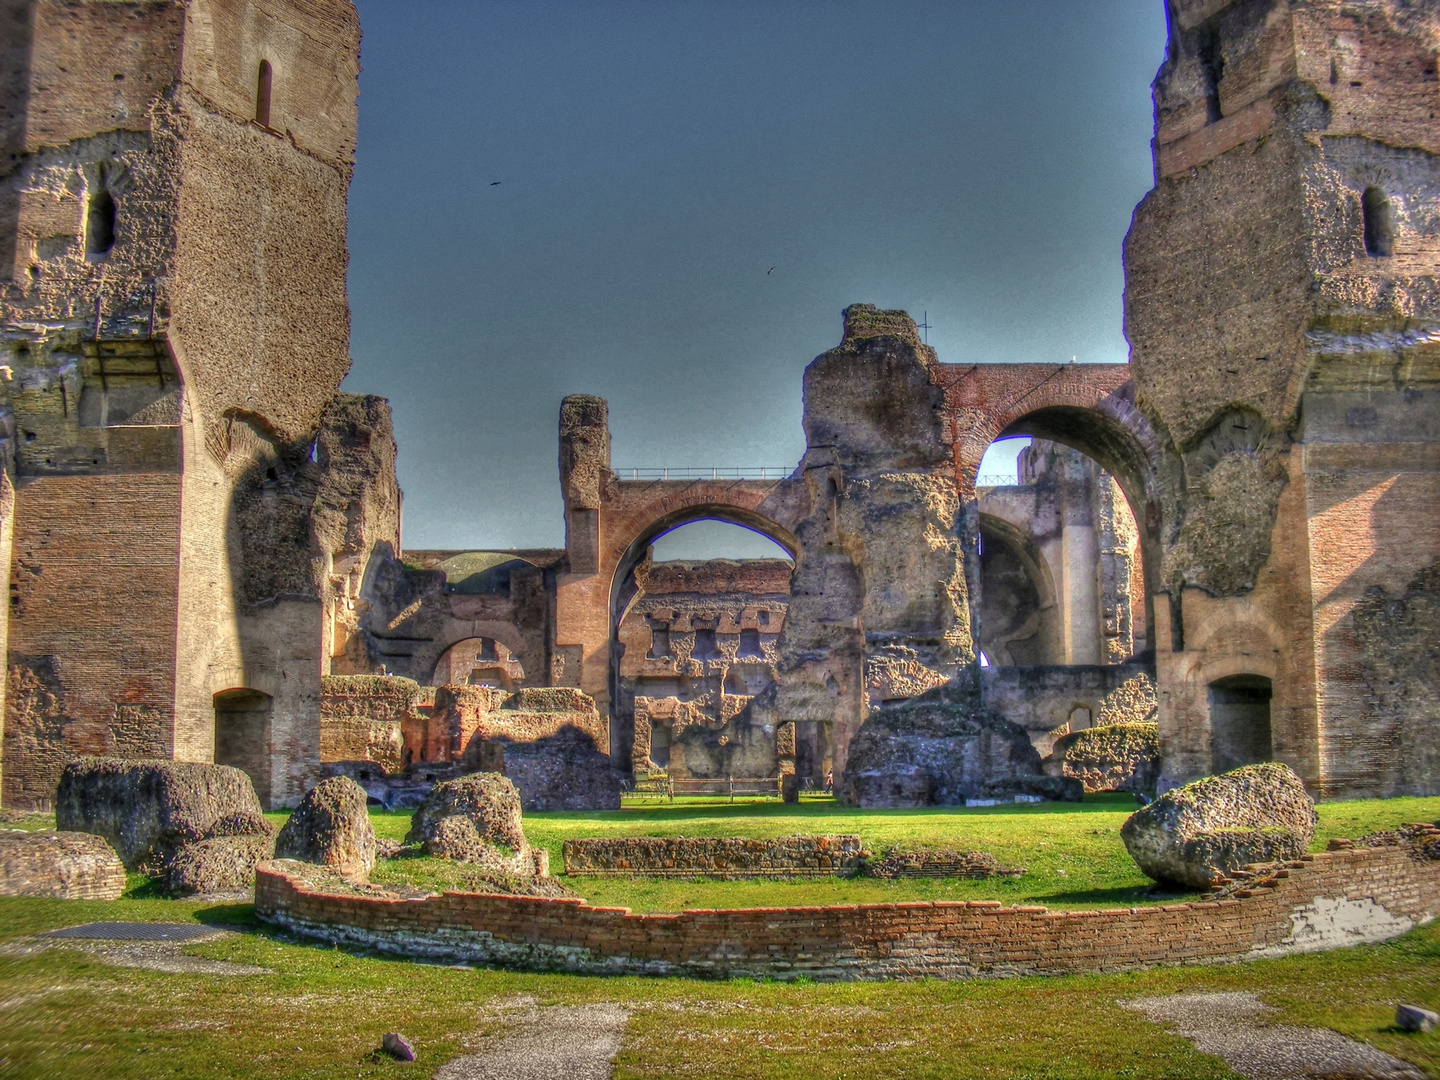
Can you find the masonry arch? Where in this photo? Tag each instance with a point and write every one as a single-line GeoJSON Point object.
{"type": "Point", "coordinates": [1019, 616]}
{"type": "Point", "coordinates": [1104, 426]}
{"type": "Point", "coordinates": [484, 659]}
{"type": "Point", "coordinates": [625, 587]}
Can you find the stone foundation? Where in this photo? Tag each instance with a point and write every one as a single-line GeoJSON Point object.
{"type": "Point", "coordinates": [1383, 892]}
{"type": "Point", "coordinates": [725, 857]}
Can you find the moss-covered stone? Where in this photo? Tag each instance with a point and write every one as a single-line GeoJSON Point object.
{"type": "Point", "coordinates": [1195, 835]}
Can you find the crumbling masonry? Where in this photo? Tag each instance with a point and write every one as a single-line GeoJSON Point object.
{"type": "Point", "coordinates": [1251, 555]}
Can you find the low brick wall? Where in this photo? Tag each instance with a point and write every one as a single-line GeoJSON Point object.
{"type": "Point", "coordinates": [1324, 901]}
{"type": "Point", "coordinates": [710, 856]}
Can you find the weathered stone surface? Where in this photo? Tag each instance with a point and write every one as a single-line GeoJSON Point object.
{"type": "Point", "coordinates": [397, 1046]}
{"type": "Point", "coordinates": [1112, 757]}
{"type": "Point", "coordinates": [941, 749]}
{"type": "Point", "coordinates": [67, 865]}
{"type": "Point", "coordinates": [221, 863]}
{"type": "Point", "coordinates": [487, 799]}
{"type": "Point", "coordinates": [1414, 1018]}
{"type": "Point", "coordinates": [937, 864]}
{"type": "Point", "coordinates": [149, 809]}
{"type": "Point", "coordinates": [726, 856]}
{"type": "Point", "coordinates": [476, 819]}
{"type": "Point", "coordinates": [563, 772]}
{"type": "Point", "coordinates": [1195, 835]}
{"type": "Point", "coordinates": [331, 827]}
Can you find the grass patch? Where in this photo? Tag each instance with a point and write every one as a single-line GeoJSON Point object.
{"type": "Point", "coordinates": [322, 1012]}
{"type": "Point", "coordinates": [1071, 851]}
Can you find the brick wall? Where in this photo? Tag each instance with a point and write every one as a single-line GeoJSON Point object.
{"type": "Point", "coordinates": [92, 624]}
{"type": "Point", "coordinates": [712, 856]}
{"type": "Point", "coordinates": [1323, 901]}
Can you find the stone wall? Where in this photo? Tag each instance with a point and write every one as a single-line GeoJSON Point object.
{"type": "Point", "coordinates": [698, 642]}
{"type": "Point", "coordinates": [1323, 901]}
{"type": "Point", "coordinates": [709, 856]}
{"type": "Point", "coordinates": [361, 717]}
{"type": "Point", "coordinates": [1051, 701]}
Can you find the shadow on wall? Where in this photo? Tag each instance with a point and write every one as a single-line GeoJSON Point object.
{"type": "Point", "coordinates": [16, 32]}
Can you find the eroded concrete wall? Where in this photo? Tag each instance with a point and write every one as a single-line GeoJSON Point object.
{"type": "Point", "coordinates": [1280, 300]}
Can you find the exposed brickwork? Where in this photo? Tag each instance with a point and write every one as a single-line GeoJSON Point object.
{"type": "Point", "coordinates": [361, 718]}
{"type": "Point", "coordinates": [67, 865]}
{"type": "Point", "coordinates": [860, 941]}
{"type": "Point", "coordinates": [710, 856]}
{"type": "Point", "coordinates": [93, 669]}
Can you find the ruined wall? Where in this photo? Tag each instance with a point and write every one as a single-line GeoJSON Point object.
{"type": "Point", "coordinates": [1051, 701]}
{"type": "Point", "coordinates": [361, 718]}
{"type": "Point", "coordinates": [1382, 892]}
{"type": "Point", "coordinates": [147, 355]}
{"type": "Point", "coordinates": [879, 604]}
{"type": "Point", "coordinates": [698, 642]}
{"type": "Point", "coordinates": [1280, 301]}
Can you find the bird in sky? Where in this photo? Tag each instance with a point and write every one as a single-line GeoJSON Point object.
{"type": "Point", "coordinates": [770, 271]}
{"type": "Point", "coordinates": [494, 183]}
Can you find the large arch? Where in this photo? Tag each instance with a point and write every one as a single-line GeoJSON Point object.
{"type": "Point", "coordinates": [1087, 407]}
{"type": "Point", "coordinates": [624, 589]}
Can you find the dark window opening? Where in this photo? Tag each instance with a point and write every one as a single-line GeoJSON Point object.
{"type": "Point", "coordinates": [704, 645]}
{"type": "Point", "coordinates": [242, 736]}
{"type": "Point", "coordinates": [100, 223]}
{"type": "Point", "coordinates": [1379, 223]}
{"type": "Point", "coordinates": [1240, 722]}
{"type": "Point", "coordinates": [750, 644]}
{"type": "Point", "coordinates": [1212, 70]}
{"type": "Point", "coordinates": [659, 642]}
{"type": "Point", "coordinates": [262, 95]}
{"type": "Point", "coordinates": [487, 649]}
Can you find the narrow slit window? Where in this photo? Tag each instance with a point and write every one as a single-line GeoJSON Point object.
{"type": "Point", "coordinates": [1379, 223]}
{"type": "Point", "coordinates": [1212, 70]}
{"type": "Point", "coordinates": [100, 223]}
{"type": "Point", "coordinates": [262, 94]}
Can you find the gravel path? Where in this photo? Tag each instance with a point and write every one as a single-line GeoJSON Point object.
{"type": "Point", "coordinates": [1225, 1024]}
{"type": "Point", "coordinates": [557, 1042]}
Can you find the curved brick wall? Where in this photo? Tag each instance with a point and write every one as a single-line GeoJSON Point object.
{"type": "Point", "coordinates": [1324, 901]}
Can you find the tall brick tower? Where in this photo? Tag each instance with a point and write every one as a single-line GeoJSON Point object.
{"type": "Point", "coordinates": [175, 325]}
{"type": "Point", "coordinates": [1283, 307]}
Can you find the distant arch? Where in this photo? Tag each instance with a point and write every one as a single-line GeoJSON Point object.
{"type": "Point", "coordinates": [1098, 420]}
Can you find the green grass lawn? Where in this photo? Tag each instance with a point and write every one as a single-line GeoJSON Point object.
{"type": "Point", "coordinates": [322, 1012]}
{"type": "Point", "coordinates": [1071, 851]}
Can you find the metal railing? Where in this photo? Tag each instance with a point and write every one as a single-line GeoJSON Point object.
{"type": "Point", "coordinates": [997, 480]}
{"type": "Point", "coordinates": [719, 472]}
{"type": "Point", "coordinates": [668, 787]}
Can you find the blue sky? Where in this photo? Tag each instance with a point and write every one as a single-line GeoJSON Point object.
{"type": "Point", "coordinates": [978, 161]}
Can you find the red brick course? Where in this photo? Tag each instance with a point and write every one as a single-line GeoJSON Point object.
{"type": "Point", "coordinates": [1383, 891]}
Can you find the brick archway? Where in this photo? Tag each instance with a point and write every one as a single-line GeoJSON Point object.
{"type": "Point", "coordinates": [1088, 407]}
{"type": "Point", "coordinates": [631, 515]}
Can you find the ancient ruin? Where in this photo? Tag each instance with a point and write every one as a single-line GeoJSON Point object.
{"type": "Point", "coordinates": [1233, 536]}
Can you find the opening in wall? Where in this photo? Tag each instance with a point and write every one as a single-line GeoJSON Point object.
{"type": "Point", "coordinates": [1212, 70]}
{"type": "Point", "coordinates": [1379, 223]}
{"type": "Point", "coordinates": [242, 736]}
{"type": "Point", "coordinates": [100, 223]}
{"type": "Point", "coordinates": [262, 94]}
{"type": "Point", "coordinates": [1240, 722]}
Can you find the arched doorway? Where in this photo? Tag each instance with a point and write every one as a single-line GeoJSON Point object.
{"type": "Point", "coordinates": [479, 661]}
{"type": "Point", "coordinates": [1019, 620]}
{"type": "Point", "coordinates": [694, 627]}
{"type": "Point", "coordinates": [1240, 722]}
{"type": "Point", "coordinates": [242, 735]}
